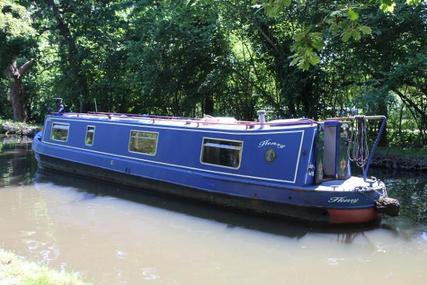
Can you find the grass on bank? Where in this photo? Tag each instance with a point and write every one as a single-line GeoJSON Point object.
{"type": "Point", "coordinates": [401, 152]}
{"type": "Point", "coordinates": [18, 128]}
{"type": "Point", "coordinates": [16, 271]}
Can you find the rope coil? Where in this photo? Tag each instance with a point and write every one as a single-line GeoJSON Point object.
{"type": "Point", "coordinates": [358, 150]}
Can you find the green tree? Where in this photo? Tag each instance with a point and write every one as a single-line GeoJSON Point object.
{"type": "Point", "coordinates": [16, 42]}
{"type": "Point", "coordinates": [178, 55]}
{"type": "Point", "coordinates": [294, 58]}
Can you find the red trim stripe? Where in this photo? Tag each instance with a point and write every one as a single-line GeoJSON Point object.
{"type": "Point", "coordinates": [340, 216]}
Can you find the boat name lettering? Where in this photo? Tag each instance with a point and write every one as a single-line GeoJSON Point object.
{"type": "Point", "coordinates": [343, 200]}
{"type": "Point", "coordinates": [268, 142]}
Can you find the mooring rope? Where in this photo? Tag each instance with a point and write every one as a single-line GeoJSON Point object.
{"type": "Point", "coordinates": [358, 150]}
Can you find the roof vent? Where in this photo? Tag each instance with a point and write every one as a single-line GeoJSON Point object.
{"type": "Point", "coordinates": [261, 118]}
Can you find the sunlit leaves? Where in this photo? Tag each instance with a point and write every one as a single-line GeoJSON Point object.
{"type": "Point", "coordinates": [347, 25]}
{"type": "Point", "coordinates": [352, 14]}
{"type": "Point", "coordinates": [387, 6]}
{"type": "Point", "coordinates": [306, 46]}
{"type": "Point", "coordinates": [274, 7]}
{"type": "Point", "coordinates": [345, 21]}
{"type": "Point", "coordinates": [16, 32]}
{"type": "Point", "coordinates": [14, 20]}
{"type": "Point", "coordinates": [413, 2]}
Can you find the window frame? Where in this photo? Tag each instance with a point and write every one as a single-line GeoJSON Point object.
{"type": "Point", "coordinates": [94, 132]}
{"type": "Point", "coordinates": [143, 131]}
{"type": "Point", "coordinates": [220, 165]}
{"type": "Point", "coordinates": [52, 129]}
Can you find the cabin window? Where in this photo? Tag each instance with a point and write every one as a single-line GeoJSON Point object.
{"type": "Point", "coordinates": [60, 132]}
{"type": "Point", "coordinates": [224, 153]}
{"type": "Point", "coordinates": [143, 142]}
{"type": "Point", "coordinates": [90, 135]}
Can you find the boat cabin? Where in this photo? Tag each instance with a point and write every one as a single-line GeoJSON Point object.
{"type": "Point", "coordinates": [283, 151]}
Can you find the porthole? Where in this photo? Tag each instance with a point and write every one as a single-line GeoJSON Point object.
{"type": "Point", "coordinates": [270, 155]}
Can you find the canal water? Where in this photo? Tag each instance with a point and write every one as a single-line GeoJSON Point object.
{"type": "Point", "coordinates": [115, 235]}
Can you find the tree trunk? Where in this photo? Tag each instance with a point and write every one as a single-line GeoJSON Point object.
{"type": "Point", "coordinates": [208, 105]}
{"type": "Point", "coordinates": [17, 99]}
{"type": "Point", "coordinates": [16, 92]}
{"type": "Point", "coordinates": [400, 119]}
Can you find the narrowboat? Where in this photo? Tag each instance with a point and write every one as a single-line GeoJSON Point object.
{"type": "Point", "coordinates": [294, 168]}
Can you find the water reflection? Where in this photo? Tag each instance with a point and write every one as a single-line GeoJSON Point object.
{"type": "Point", "coordinates": [17, 165]}
{"type": "Point", "coordinates": [91, 189]}
{"type": "Point", "coordinates": [410, 188]}
{"type": "Point", "coordinates": [117, 235]}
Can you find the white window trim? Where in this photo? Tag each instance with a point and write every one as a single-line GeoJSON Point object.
{"type": "Point", "coordinates": [94, 131]}
{"type": "Point", "coordinates": [62, 124]}
{"type": "Point", "coordinates": [228, 147]}
{"type": "Point", "coordinates": [143, 131]}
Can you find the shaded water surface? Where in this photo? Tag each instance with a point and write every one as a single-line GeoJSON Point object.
{"type": "Point", "coordinates": [116, 235]}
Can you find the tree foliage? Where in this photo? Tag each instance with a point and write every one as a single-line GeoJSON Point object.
{"type": "Point", "coordinates": [16, 43]}
{"type": "Point", "coordinates": [193, 57]}
{"type": "Point", "coordinates": [16, 32]}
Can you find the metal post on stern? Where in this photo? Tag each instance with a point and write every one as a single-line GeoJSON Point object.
{"type": "Point", "coordinates": [374, 145]}
{"type": "Point", "coordinates": [367, 163]}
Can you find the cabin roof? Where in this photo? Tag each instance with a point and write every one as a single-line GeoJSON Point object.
{"type": "Point", "coordinates": [222, 123]}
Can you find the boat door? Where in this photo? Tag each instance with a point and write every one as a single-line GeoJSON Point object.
{"type": "Point", "coordinates": [331, 151]}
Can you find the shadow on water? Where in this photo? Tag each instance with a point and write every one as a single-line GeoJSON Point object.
{"type": "Point", "coordinates": [92, 188]}
{"type": "Point", "coordinates": [18, 167]}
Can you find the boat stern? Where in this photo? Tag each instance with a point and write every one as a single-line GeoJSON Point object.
{"type": "Point", "coordinates": [357, 200]}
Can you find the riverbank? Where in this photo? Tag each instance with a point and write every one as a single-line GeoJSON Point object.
{"type": "Point", "coordinates": [15, 270]}
{"type": "Point", "coordinates": [401, 158]}
{"type": "Point", "coordinates": [9, 127]}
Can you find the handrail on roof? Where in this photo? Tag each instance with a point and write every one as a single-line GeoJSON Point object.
{"type": "Point", "coordinates": [203, 121]}
{"type": "Point", "coordinates": [351, 118]}
{"type": "Point", "coordinates": [199, 121]}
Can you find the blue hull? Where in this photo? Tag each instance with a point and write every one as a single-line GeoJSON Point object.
{"type": "Point", "coordinates": [177, 168]}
